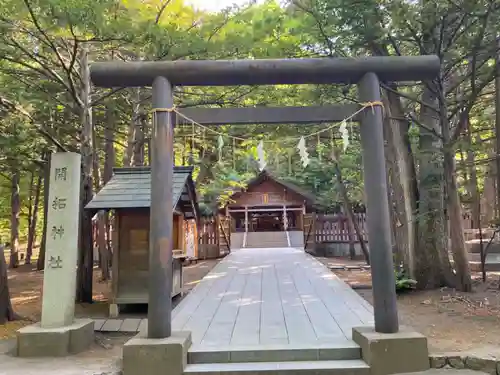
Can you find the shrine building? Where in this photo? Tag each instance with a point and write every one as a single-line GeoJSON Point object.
{"type": "Point", "coordinates": [270, 212]}
{"type": "Point", "coordinates": [128, 195]}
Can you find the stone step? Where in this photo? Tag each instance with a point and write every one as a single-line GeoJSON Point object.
{"type": "Point", "coordinates": [490, 258]}
{"type": "Point", "coordinates": [266, 245]}
{"type": "Point", "coordinates": [274, 240]}
{"type": "Point", "coordinates": [489, 267]}
{"type": "Point", "coordinates": [474, 246]}
{"type": "Point", "coordinates": [269, 353]}
{"type": "Point", "coordinates": [349, 367]}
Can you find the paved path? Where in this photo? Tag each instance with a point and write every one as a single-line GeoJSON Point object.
{"type": "Point", "coordinates": [262, 297]}
{"type": "Point", "coordinates": [270, 296]}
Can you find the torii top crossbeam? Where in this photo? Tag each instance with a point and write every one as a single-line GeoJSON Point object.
{"type": "Point", "coordinates": [265, 72]}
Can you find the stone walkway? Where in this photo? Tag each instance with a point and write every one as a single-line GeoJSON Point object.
{"type": "Point", "coordinates": [128, 325]}
{"type": "Point", "coordinates": [261, 297]}
{"type": "Point", "coordinates": [271, 296]}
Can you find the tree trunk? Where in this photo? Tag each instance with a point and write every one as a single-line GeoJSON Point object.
{"type": "Point", "coordinates": [15, 206]}
{"type": "Point", "coordinates": [40, 264]}
{"type": "Point", "coordinates": [109, 163]}
{"type": "Point", "coordinates": [399, 241]}
{"type": "Point", "coordinates": [102, 245]}
{"type": "Point", "coordinates": [348, 206]}
{"type": "Point", "coordinates": [85, 261]}
{"type": "Point", "coordinates": [432, 261]}
{"type": "Point", "coordinates": [31, 191]}
{"type": "Point", "coordinates": [139, 140]}
{"type": "Point", "coordinates": [463, 159]}
{"type": "Point", "coordinates": [150, 152]}
{"type": "Point", "coordinates": [132, 126]}
{"type": "Point", "coordinates": [497, 127]}
{"type": "Point", "coordinates": [404, 173]}
{"type": "Point", "coordinates": [462, 271]}
{"type": "Point", "coordinates": [472, 184]}
{"type": "Point", "coordinates": [100, 233]}
{"type": "Point", "coordinates": [350, 233]}
{"type": "Point", "coordinates": [403, 182]}
{"type": "Point", "coordinates": [489, 195]}
{"type": "Point", "coordinates": [34, 220]}
{"type": "Point", "coordinates": [6, 311]}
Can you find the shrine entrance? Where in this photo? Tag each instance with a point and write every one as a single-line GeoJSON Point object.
{"type": "Point", "coordinates": [266, 222]}
{"type": "Point", "coordinates": [271, 221]}
{"type": "Point", "coordinates": [365, 72]}
{"type": "Point", "coordinates": [268, 213]}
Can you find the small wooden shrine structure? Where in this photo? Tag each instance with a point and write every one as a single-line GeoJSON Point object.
{"type": "Point", "coordinates": [128, 194]}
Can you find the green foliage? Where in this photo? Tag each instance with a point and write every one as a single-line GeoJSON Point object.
{"type": "Point", "coordinates": [40, 83]}
{"type": "Point", "coordinates": [404, 283]}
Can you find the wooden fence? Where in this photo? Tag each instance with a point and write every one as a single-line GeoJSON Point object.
{"type": "Point", "coordinates": [207, 232]}
{"type": "Point", "coordinates": [327, 228]}
{"type": "Point", "coordinates": [213, 237]}
{"type": "Point", "coordinates": [336, 228]}
{"type": "Point", "coordinates": [331, 228]}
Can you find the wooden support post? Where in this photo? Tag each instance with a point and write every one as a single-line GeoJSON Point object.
{"type": "Point", "coordinates": [115, 270]}
{"type": "Point", "coordinates": [300, 220]}
{"type": "Point", "coordinates": [161, 216]}
{"type": "Point", "coordinates": [313, 231]}
{"type": "Point", "coordinates": [285, 219]}
{"type": "Point", "coordinates": [246, 219]}
{"type": "Point", "coordinates": [377, 206]}
{"type": "Point", "coordinates": [181, 234]}
{"type": "Point", "coordinates": [497, 122]}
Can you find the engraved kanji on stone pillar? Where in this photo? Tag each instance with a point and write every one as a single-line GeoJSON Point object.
{"type": "Point", "coordinates": [59, 279]}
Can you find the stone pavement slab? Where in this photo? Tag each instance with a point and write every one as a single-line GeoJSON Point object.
{"type": "Point", "coordinates": [130, 325]}
{"type": "Point", "coordinates": [112, 325]}
{"type": "Point", "coordinates": [270, 296]}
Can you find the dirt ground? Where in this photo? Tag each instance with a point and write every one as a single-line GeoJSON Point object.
{"type": "Point", "coordinates": [25, 285]}
{"type": "Point", "coordinates": [452, 321]}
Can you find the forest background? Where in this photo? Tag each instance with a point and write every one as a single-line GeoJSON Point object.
{"type": "Point", "coordinates": [441, 137]}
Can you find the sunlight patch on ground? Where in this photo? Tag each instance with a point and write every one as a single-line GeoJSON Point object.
{"type": "Point", "coordinates": [24, 299]}
{"type": "Point", "coordinates": [215, 276]}
{"type": "Point", "coordinates": [248, 302]}
{"type": "Point", "coordinates": [8, 331]}
{"type": "Point", "coordinates": [194, 282]}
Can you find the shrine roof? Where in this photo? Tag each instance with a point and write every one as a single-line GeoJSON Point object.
{"type": "Point", "coordinates": [131, 188]}
{"type": "Point", "coordinates": [266, 175]}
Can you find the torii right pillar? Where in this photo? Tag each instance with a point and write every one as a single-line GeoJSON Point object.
{"type": "Point", "coordinates": [386, 348]}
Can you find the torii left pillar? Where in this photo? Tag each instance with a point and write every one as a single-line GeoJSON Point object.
{"type": "Point", "coordinates": [160, 349]}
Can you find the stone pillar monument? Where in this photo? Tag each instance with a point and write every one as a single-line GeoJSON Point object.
{"type": "Point", "coordinates": [59, 333]}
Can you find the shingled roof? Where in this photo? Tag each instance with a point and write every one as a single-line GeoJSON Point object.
{"type": "Point", "coordinates": [263, 175]}
{"type": "Point", "coordinates": [131, 188]}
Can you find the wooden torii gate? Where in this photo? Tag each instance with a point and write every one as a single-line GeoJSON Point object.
{"type": "Point", "coordinates": [365, 72]}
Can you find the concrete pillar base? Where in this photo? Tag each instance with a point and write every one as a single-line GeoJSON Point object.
{"type": "Point", "coordinates": [35, 341]}
{"type": "Point", "coordinates": [392, 353]}
{"type": "Point", "coordinates": [142, 355]}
